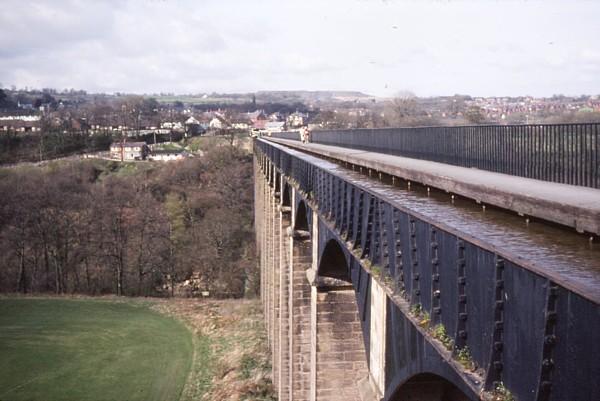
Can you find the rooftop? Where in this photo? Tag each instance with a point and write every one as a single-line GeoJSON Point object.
{"type": "Point", "coordinates": [128, 144]}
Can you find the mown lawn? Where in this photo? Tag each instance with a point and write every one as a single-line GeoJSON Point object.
{"type": "Point", "coordinates": [90, 350]}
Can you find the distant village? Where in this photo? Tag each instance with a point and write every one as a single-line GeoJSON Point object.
{"type": "Point", "coordinates": [134, 126]}
{"type": "Point", "coordinates": [208, 123]}
{"type": "Point", "coordinates": [195, 124]}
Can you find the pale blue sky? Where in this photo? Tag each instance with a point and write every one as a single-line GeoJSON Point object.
{"type": "Point", "coordinates": [482, 47]}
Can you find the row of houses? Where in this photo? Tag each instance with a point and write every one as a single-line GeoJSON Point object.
{"type": "Point", "coordinates": [190, 127]}
{"type": "Point", "coordinates": [34, 124]}
{"type": "Point", "coordinates": [251, 120]}
{"type": "Point", "coordinates": [259, 120]}
{"type": "Point", "coordinates": [193, 125]}
{"type": "Point", "coordinates": [138, 151]}
{"type": "Point", "coordinates": [20, 123]}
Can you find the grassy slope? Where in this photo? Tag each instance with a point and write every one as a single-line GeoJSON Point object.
{"type": "Point", "coordinates": [59, 349]}
{"type": "Point", "coordinates": [235, 359]}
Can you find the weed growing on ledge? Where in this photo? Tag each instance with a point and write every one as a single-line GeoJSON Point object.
{"type": "Point", "coordinates": [375, 269]}
{"type": "Point", "coordinates": [388, 281]}
{"type": "Point", "coordinates": [501, 393]}
{"type": "Point", "coordinates": [439, 333]}
{"type": "Point", "coordinates": [356, 252]}
{"type": "Point", "coordinates": [416, 310]}
{"type": "Point", "coordinates": [425, 319]}
{"type": "Point", "coordinates": [463, 356]}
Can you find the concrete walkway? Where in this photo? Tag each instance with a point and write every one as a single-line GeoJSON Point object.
{"type": "Point", "coordinates": [569, 205]}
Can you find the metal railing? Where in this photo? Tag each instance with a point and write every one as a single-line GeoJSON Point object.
{"type": "Point", "coordinates": [563, 153]}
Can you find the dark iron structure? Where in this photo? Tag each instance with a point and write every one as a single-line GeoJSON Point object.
{"type": "Point", "coordinates": [564, 153]}
{"type": "Point", "coordinates": [503, 325]}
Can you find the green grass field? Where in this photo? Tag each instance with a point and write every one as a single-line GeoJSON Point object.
{"type": "Point", "coordinates": [84, 350]}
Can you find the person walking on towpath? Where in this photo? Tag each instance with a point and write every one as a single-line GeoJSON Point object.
{"type": "Point", "coordinates": [305, 135]}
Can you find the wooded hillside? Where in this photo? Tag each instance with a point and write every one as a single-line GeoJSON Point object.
{"type": "Point", "coordinates": [99, 227]}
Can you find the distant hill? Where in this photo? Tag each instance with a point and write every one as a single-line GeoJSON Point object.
{"type": "Point", "coordinates": [312, 96]}
{"type": "Point", "coordinates": [286, 97]}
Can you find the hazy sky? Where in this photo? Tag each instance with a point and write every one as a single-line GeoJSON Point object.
{"type": "Point", "coordinates": [482, 47]}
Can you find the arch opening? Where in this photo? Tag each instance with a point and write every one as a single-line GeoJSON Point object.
{"type": "Point", "coordinates": [277, 182]}
{"type": "Point", "coordinates": [286, 197]}
{"type": "Point", "coordinates": [428, 387]}
{"type": "Point", "coordinates": [333, 262]}
{"type": "Point", "coordinates": [301, 221]}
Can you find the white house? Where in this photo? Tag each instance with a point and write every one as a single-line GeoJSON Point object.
{"type": "Point", "coordinates": [217, 123]}
{"type": "Point", "coordinates": [166, 155]}
{"type": "Point", "coordinates": [275, 126]}
{"type": "Point", "coordinates": [128, 150]}
{"type": "Point", "coordinates": [240, 125]}
{"type": "Point", "coordinates": [175, 126]}
{"type": "Point", "coordinates": [192, 121]}
{"type": "Point", "coordinates": [297, 119]}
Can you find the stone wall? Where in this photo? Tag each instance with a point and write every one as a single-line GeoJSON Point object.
{"type": "Point", "coordinates": [300, 320]}
{"type": "Point", "coordinates": [341, 359]}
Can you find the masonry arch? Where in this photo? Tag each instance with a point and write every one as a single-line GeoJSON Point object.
{"type": "Point", "coordinates": [428, 387]}
{"type": "Point", "coordinates": [333, 262]}
{"type": "Point", "coordinates": [301, 220]}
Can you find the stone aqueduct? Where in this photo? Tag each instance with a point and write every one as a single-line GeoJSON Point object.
{"type": "Point", "coordinates": [365, 301]}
